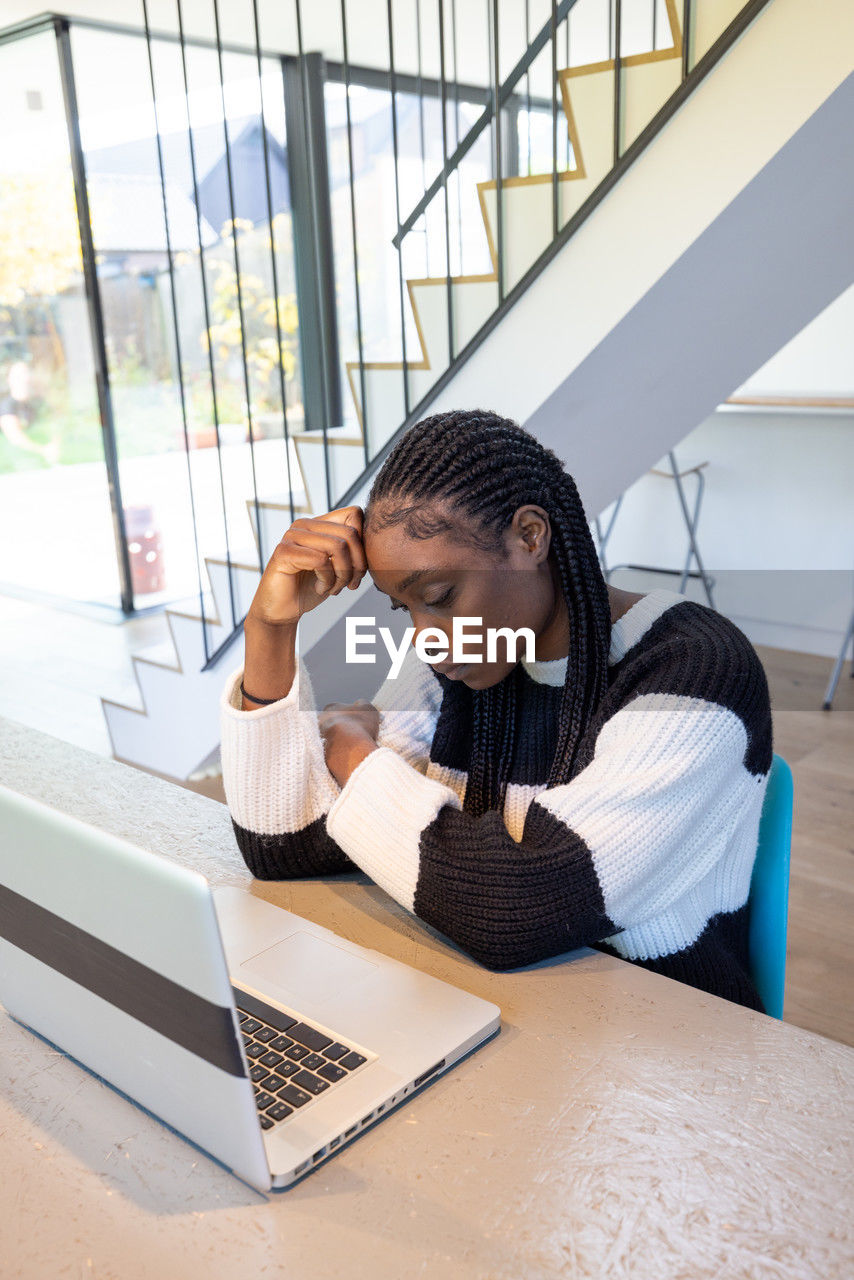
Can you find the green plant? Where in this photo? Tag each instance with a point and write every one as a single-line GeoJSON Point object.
{"type": "Point", "coordinates": [258, 332]}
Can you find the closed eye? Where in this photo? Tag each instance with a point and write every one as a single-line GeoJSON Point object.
{"type": "Point", "coordinates": [395, 604]}
{"type": "Point", "coordinates": [442, 601]}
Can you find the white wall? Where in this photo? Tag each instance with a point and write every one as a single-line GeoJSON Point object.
{"type": "Point", "coordinates": [777, 520]}
{"type": "Point", "coordinates": [819, 361]}
{"type": "Point", "coordinates": [776, 526]}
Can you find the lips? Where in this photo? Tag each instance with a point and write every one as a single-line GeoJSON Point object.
{"type": "Point", "coordinates": [454, 671]}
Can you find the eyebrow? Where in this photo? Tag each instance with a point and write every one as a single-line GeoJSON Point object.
{"type": "Point", "coordinates": [410, 579]}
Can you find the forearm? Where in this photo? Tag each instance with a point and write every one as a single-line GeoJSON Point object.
{"type": "Point", "coordinates": [270, 663]}
{"type": "Point", "coordinates": [505, 903]}
{"type": "Point", "coordinates": [277, 785]}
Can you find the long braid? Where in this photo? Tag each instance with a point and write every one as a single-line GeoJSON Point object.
{"type": "Point", "coordinates": [486, 467]}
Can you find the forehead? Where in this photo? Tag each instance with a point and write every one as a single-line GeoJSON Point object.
{"type": "Point", "coordinates": [392, 553]}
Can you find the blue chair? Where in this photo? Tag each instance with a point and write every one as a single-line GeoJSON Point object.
{"type": "Point", "coordinates": [768, 901]}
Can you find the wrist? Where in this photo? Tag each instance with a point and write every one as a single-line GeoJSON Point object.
{"type": "Point", "coordinates": [269, 663]}
{"type": "Point", "coordinates": [270, 632]}
{"type": "Point", "coordinates": [344, 754]}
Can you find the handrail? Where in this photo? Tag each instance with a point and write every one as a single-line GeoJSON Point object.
{"type": "Point", "coordinates": [505, 93]}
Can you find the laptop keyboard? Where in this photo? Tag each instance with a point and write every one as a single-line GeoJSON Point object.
{"type": "Point", "coordinates": [290, 1061]}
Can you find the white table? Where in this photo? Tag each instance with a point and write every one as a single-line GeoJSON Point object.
{"type": "Point", "coordinates": [621, 1125]}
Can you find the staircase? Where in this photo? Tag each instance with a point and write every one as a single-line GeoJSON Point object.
{"type": "Point", "coordinates": [667, 263]}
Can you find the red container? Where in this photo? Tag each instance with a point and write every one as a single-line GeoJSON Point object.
{"type": "Point", "coordinates": [145, 550]}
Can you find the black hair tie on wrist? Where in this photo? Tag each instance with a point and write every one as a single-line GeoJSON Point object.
{"type": "Point", "coordinates": [262, 702]}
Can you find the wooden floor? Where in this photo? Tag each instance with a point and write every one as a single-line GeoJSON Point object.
{"type": "Point", "coordinates": [53, 666]}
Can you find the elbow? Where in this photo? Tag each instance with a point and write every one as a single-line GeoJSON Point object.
{"type": "Point", "coordinates": [501, 944]}
{"type": "Point", "coordinates": [501, 953]}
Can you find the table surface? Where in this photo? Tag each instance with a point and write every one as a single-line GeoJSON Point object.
{"type": "Point", "coordinates": [619, 1125]}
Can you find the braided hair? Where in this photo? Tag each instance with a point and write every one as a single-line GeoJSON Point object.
{"type": "Point", "coordinates": [484, 467]}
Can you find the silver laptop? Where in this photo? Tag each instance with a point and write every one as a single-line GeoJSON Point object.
{"type": "Point", "coordinates": [266, 1039]}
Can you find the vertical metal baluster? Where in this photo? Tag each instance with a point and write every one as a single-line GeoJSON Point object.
{"type": "Point", "coordinates": [178, 356]}
{"type": "Point", "coordinates": [393, 83]}
{"type": "Point", "coordinates": [555, 209]}
{"type": "Point", "coordinates": [686, 39]}
{"type": "Point", "coordinates": [457, 130]}
{"type": "Point", "coordinates": [444, 104]}
{"type": "Point", "coordinates": [355, 237]}
{"type": "Point", "coordinates": [206, 305]}
{"type": "Point", "coordinates": [618, 95]}
{"type": "Point", "coordinates": [273, 263]}
{"type": "Point", "coordinates": [419, 89]}
{"type": "Point", "coordinates": [327, 414]}
{"type": "Point", "coordinates": [496, 115]}
{"type": "Point", "coordinates": [654, 24]}
{"type": "Point", "coordinates": [568, 64]}
{"type": "Point", "coordinates": [230, 180]}
{"type": "Point", "coordinates": [528, 79]}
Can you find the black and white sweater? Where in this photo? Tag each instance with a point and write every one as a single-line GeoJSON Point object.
{"type": "Point", "coordinates": [647, 851]}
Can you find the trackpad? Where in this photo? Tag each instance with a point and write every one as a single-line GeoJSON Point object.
{"type": "Point", "coordinates": [305, 968]}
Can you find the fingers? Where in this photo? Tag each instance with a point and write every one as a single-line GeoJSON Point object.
{"type": "Point", "coordinates": [350, 516]}
{"type": "Point", "coordinates": [332, 549]}
{"type": "Point", "coordinates": [351, 519]}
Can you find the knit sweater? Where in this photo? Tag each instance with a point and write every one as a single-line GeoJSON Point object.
{"type": "Point", "coordinates": [647, 852]}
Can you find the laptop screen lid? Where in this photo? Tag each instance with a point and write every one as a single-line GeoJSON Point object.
{"type": "Point", "coordinates": [114, 954]}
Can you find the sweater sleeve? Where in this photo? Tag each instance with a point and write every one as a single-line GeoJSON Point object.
{"type": "Point", "coordinates": [647, 824]}
{"type": "Point", "coordinates": [277, 786]}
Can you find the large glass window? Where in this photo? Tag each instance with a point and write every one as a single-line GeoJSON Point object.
{"type": "Point", "coordinates": [56, 530]}
{"type": "Point", "coordinates": [188, 470]}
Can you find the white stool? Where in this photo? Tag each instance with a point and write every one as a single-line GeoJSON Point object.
{"type": "Point", "coordinates": [691, 519]}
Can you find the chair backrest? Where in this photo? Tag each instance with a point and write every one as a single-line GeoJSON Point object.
{"type": "Point", "coordinates": [769, 890]}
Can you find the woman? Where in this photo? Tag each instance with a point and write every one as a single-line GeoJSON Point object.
{"type": "Point", "coordinates": [606, 792]}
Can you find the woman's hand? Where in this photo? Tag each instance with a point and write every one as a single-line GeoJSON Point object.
{"type": "Point", "coordinates": [318, 557]}
{"type": "Point", "coordinates": [349, 732]}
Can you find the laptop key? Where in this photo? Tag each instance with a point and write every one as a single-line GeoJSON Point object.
{"type": "Point", "coordinates": [272, 1059]}
{"type": "Point", "coordinates": [280, 1111]}
{"type": "Point", "coordinates": [255, 1050]}
{"type": "Point", "coordinates": [260, 1009]}
{"type": "Point", "coordinates": [250, 1026]}
{"type": "Point", "coordinates": [332, 1073]}
{"type": "Point", "coordinates": [257, 1074]}
{"type": "Point", "coordinates": [352, 1060]}
{"type": "Point", "coordinates": [306, 1035]}
{"type": "Point", "coordinates": [242, 1016]}
{"type": "Point", "coordinates": [287, 1069]}
{"type": "Point", "coordinates": [294, 1096]}
{"type": "Point", "coordinates": [313, 1083]}
{"type": "Point", "coordinates": [265, 1035]}
{"type": "Point", "coordinates": [335, 1051]}
{"type": "Point", "coordinates": [297, 1051]}
{"type": "Point", "coordinates": [281, 1043]}
{"type": "Point", "coordinates": [273, 1083]}
{"type": "Point", "coordinates": [265, 1123]}
{"type": "Point", "coordinates": [264, 1100]}
{"type": "Point", "coordinates": [312, 1062]}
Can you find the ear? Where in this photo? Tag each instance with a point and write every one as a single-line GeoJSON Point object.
{"type": "Point", "coordinates": [531, 533]}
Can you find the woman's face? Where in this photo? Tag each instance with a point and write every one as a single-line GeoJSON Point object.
{"type": "Point", "coordinates": [444, 577]}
